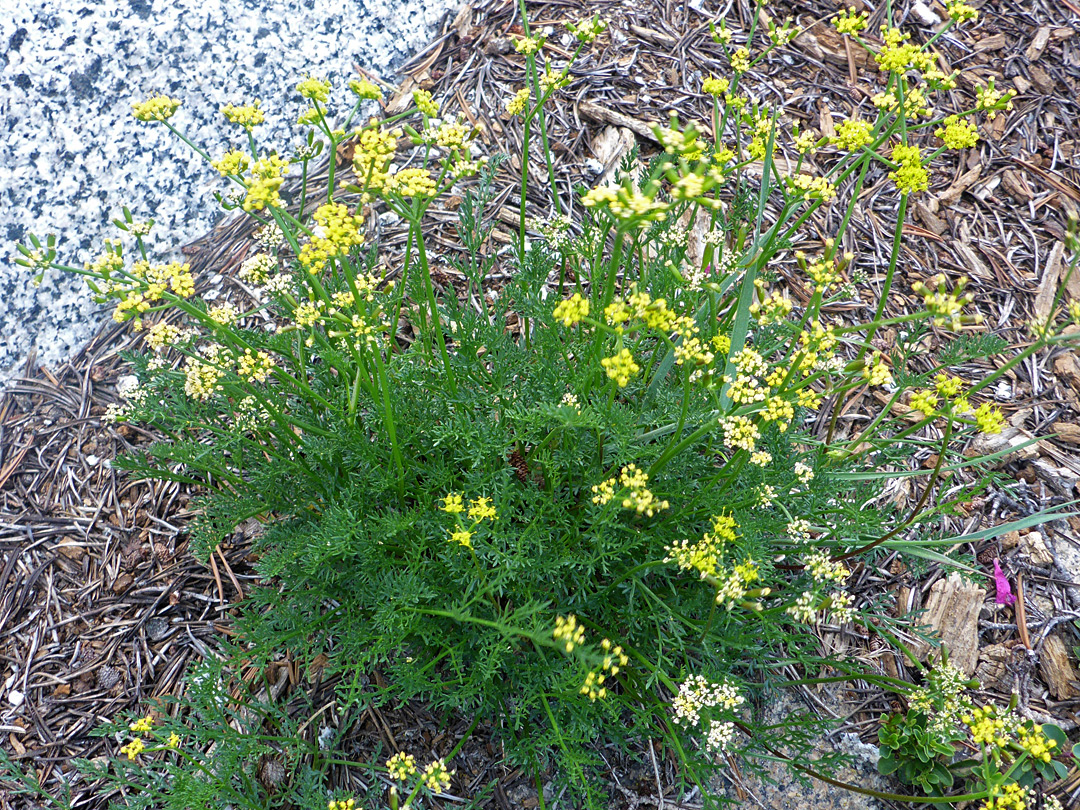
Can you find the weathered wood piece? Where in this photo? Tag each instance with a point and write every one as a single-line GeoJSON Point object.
{"type": "Point", "coordinates": [952, 613]}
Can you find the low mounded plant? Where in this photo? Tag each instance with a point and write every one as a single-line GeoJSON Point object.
{"type": "Point", "coordinates": [608, 497]}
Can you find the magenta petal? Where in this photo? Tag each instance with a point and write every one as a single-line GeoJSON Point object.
{"type": "Point", "coordinates": [1004, 590]}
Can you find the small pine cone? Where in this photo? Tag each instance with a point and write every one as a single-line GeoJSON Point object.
{"type": "Point", "coordinates": [162, 552]}
{"type": "Point", "coordinates": [517, 461]}
{"type": "Point", "coordinates": [271, 773]}
{"type": "Point", "coordinates": [108, 677]}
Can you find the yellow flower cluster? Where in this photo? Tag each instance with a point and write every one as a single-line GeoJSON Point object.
{"type": "Point", "coordinates": [257, 269]}
{"type": "Point", "coordinates": [362, 88]}
{"type": "Point", "coordinates": [739, 432]}
{"type": "Point", "coordinates": [1008, 797]}
{"type": "Point", "coordinates": [988, 727]}
{"type": "Point", "coordinates": [453, 504]}
{"type": "Point", "coordinates": [437, 777]}
{"type": "Point", "coordinates": [454, 134]}
{"type": "Point", "coordinates": [156, 108]}
{"type": "Point", "coordinates": [898, 54]}
{"type": "Point", "coordinates": [375, 149]}
{"type": "Point", "coordinates": [587, 30]}
{"type": "Point", "coordinates": [638, 497]}
{"type": "Point", "coordinates": [412, 183]}
{"type": "Point", "coordinates": [809, 187]}
{"type": "Point", "coordinates": [481, 509]}
{"type": "Point", "coordinates": [336, 232]}
{"type": "Point", "coordinates": [248, 115]}
{"type": "Point", "coordinates": [143, 725]}
{"type": "Point", "coordinates": [162, 335]}
{"type": "Point", "coordinates": [740, 60]}
{"type": "Point", "coordinates": [989, 419]}
{"type": "Point", "coordinates": [946, 307]}
{"type": "Point", "coordinates": [960, 11]}
{"type": "Point", "coordinates": [704, 556]}
{"type": "Point", "coordinates": [958, 133]}
{"type": "Point", "coordinates": [264, 186]}
{"type": "Point", "coordinates": [569, 632]}
{"type": "Point", "coordinates": [401, 766]}
{"type": "Point", "coordinates": [991, 100]}
{"type": "Point", "coordinates": [775, 308]}
{"type": "Point", "coordinates": [910, 175]}
{"type": "Point", "coordinates": [519, 102]}
{"type": "Point", "coordinates": [614, 660]}
{"type": "Point", "coordinates": [255, 366]}
{"type": "Point", "coordinates": [823, 569]}
{"type": "Point", "coordinates": [853, 134]}
{"type": "Point", "coordinates": [714, 86]}
{"type": "Point", "coordinates": [133, 748]}
{"type": "Point", "coordinates": [572, 310]}
{"type": "Point", "coordinates": [851, 21]}
{"type": "Point", "coordinates": [528, 45]}
{"type": "Point", "coordinates": [314, 89]}
{"type": "Point", "coordinates": [225, 314]}
{"type": "Point", "coordinates": [346, 804]}
{"type": "Point", "coordinates": [627, 202]}
{"type": "Point", "coordinates": [620, 367]}
{"type": "Point", "coordinates": [423, 101]}
{"type": "Point", "coordinates": [201, 377]}
{"type": "Point", "coordinates": [1037, 744]}
{"type": "Point", "coordinates": [876, 372]}
{"type": "Point", "coordinates": [233, 162]}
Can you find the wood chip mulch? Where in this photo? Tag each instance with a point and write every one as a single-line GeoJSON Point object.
{"type": "Point", "coordinates": [102, 607]}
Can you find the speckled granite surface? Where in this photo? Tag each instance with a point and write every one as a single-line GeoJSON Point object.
{"type": "Point", "coordinates": [72, 155]}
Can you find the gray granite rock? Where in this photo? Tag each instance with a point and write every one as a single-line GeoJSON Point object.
{"type": "Point", "coordinates": [72, 153]}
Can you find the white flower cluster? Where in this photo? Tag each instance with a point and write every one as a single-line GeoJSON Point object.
{"type": "Point", "coordinates": [697, 694]}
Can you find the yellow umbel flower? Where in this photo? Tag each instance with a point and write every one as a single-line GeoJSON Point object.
{"type": "Point", "coordinates": [568, 632]}
{"type": "Point", "coordinates": [365, 89]}
{"type": "Point", "coordinates": [621, 367]}
{"type": "Point", "coordinates": [314, 89]}
{"type": "Point", "coordinates": [628, 202]}
{"type": "Point", "coordinates": [924, 401]}
{"type": "Point", "coordinates": [401, 766]}
{"type": "Point", "coordinates": [991, 100]}
{"type": "Point", "coordinates": [989, 419]}
{"type": "Point", "coordinates": [412, 183]}
{"type": "Point", "coordinates": [740, 60]}
{"type": "Point", "coordinates": [481, 509]}
{"type": "Point", "coordinates": [853, 134]}
{"type": "Point", "coordinates": [143, 725]}
{"type": "Point", "coordinates": [423, 101]}
{"type": "Point", "coordinates": [133, 748]}
{"type": "Point", "coordinates": [959, 11]}
{"type": "Point", "coordinates": [336, 232]}
{"type": "Point", "coordinates": [452, 504]}
{"type": "Point", "coordinates": [437, 777]}
{"type": "Point", "coordinates": [156, 108]}
{"type": "Point", "coordinates": [587, 30]}
{"type": "Point", "coordinates": [715, 87]}
{"type": "Point", "coordinates": [572, 310]}
{"type": "Point", "coordinates": [255, 366]}
{"type": "Point", "coordinates": [234, 162]}
{"type": "Point", "coordinates": [267, 176]}
{"type": "Point", "coordinates": [519, 102]}
{"type": "Point", "coordinates": [958, 133]}
{"type": "Point", "coordinates": [910, 176]}
{"type": "Point", "coordinates": [462, 537]}
{"type": "Point", "coordinates": [248, 115]}
{"type": "Point", "coordinates": [851, 21]}
{"type": "Point", "coordinates": [528, 45]}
